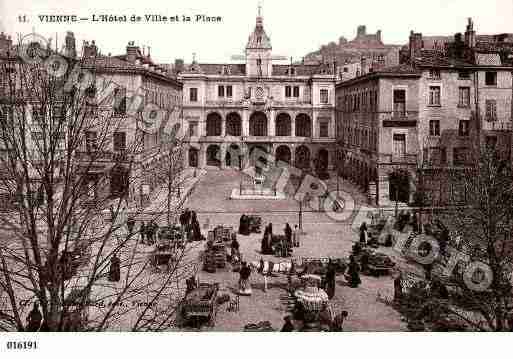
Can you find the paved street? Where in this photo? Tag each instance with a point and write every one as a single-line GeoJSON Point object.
{"type": "Point", "coordinates": [324, 238]}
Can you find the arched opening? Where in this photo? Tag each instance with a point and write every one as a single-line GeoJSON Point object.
{"type": "Point", "coordinates": [214, 124]}
{"type": "Point", "coordinates": [258, 158]}
{"type": "Point", "coordinates": [258, 124]}
{"type": "Point", "coordinates": [322, 163]}
{"type": "Point", "coordinates": [283, 125]}
{"type": "Point", "coordinates": [303, 125]}
{"type": "Point", "coordinates": [233, 156]}
{"type": "Point", "coordinates": [119, 177]}
{"type": "Point", "coordinates": [213, 155]}
{"type": "Point", "coordinates": [283, 154]}
{"type": "Point", "coordinates": [193, 157]}
{"type": "Point", "coordinates": [233, 124]}
{"type": "Point", "coordinates": [302, 157]}
{"type": "Point", "coordinates": [399, 186]}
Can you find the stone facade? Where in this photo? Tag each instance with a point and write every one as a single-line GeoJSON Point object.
{"type": "Point", "coordinates": [377, 138]}
{"type": "Point", "coordinates": [284, 110]}
{"type": "Point", "coordinates": [445, 105]}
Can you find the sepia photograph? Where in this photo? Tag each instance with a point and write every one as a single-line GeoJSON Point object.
{"type": "Point", "coordinates": [254, 166]}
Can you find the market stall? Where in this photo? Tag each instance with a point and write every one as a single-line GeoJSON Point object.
{"type": "Point", "coordinates": [200, 304]}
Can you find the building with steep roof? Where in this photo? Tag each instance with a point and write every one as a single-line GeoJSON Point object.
{"type": "Point", "coordinates": [286, 110]}
{"type": "Point", "coordinates": [432, 115]}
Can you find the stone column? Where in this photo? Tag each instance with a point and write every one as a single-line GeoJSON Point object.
{"type": "Point", "coordinates": [186, 157]}
{"type": "Point", "coordinates": [245, 122]}
{"type": "Point", "coordinates": [293, 126]}
{"type": "Point", "coordinates": [293, 153]}
{"type": "Point", "coordinates": [202, 156]}
{"type": "Point", "coordinates": [315, 130]}
{"type": "Point", "coordinates": [271, 124]}
{"type": "Point", "coordinates": [223, 127]}
{"type": "Point", "coordinates": [222, 153]}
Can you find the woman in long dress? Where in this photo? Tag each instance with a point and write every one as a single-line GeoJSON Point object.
{"type": "Point", "coordinates": [330, 280]}
{"type": "Point", "coordinates": [244, 285]}
{"type": "Point", "coordinates": [353, 273]}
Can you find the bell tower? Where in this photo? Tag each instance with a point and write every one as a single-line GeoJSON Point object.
{"type": "Point", "coordinates": [258, 51]}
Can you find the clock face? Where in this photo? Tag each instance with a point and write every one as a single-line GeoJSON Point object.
{"type": "Point", "coordinates": [259, 92]}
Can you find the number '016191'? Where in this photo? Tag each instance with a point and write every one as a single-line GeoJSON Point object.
{"type": "Point", "coordinates": [21, 345]}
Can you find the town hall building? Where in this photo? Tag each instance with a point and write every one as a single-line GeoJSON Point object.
{"type": "Point", "coordinates": [286, 110]}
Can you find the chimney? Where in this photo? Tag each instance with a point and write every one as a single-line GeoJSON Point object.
{"type": "Point", "coordinates": [416, 44]}
{"type": "Point", "coordinates": [89, 50]}
{"type": "Point", "coordinates": [363, 65]}
{"type": "Point", "coordinates": [361, 31]}
{"type": "Point", "coordinates": [470, 34]}
{"type": "Point", "coordinates": [70, 49]}
{"type": "Point", "coordinates": [378, 35]}
{"type": "Point", "coordinates": [132, 52]}
{"type": "Point", "coordinates": [178, 65]}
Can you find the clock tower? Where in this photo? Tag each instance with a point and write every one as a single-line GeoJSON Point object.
{"type": "Point", "coordinates": [258, 51]}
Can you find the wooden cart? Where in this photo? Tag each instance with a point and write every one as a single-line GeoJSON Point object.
{"type": "Point", "coordinates": [201, 304]}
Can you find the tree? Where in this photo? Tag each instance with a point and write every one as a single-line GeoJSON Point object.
{"type": "Point", "coordinates": [480, 266]}
{"type": "Point", "coordinates": [69, 178]}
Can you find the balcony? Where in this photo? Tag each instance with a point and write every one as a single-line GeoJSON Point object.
{"type": "Point", "coordinates": [399, 118]}
{"type": "Point", "coordinates": [405, 159]}
{"type": "Point", "coordinates": [497, 126]}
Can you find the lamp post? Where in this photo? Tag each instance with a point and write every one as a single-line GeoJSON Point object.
{"type": "Point", "coordinates": [240, 168]}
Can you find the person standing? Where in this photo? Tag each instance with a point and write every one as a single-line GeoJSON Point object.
{"type": "Point", "coordinates": [142, 232]}
{"type": "Point", "coordinates": [130, 224]}
{"type": "Point", "coordinates": [295, 236]}
{"type": "Point", "coordinates": [235, 250]}
{"type": "Point", "coordinates": [288, 326]}
{"type": "Point", "coordinates": [353, 273]}
{"type": "Point", "coordinates": [114, 269]}
{"type": "Point", "coordinates": [363, 234]}
{"type": "Point", "coordinates": [34, 319]}
{"type": "Point", "coordinates": [244, 285]}
{"type": "Point", "coordinates": [288, 236]}
{"type": "Point", "coordinates": [330, 280]}
{"type": "Point", "coordinates": [338, 322]}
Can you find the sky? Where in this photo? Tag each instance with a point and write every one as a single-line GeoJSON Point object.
{"type": "Point", "coordinates": [295, 28]}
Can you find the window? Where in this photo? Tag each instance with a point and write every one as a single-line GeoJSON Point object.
{"type": "Point", "coordinates": [460, 156]}
{"type": "Point", "coordinates": [288, 90]}
{"type": "Point", "coordinates": [119, 101]}
{"type": "Point", "coordinates": [434, 74]}
{"type": "Point", "coordinates": [464, 75]}
{"type": "Point", "coordinates": [193, 94]}
{"type": "Point", "coordinates": [229, 91]}
{"type": "Point", "coordinates": [324, 129]}
{"type": "Point", "coordinates": [437, 156]}
{"type": "Point", "coordinates": [119, 141]}
{"type": "Point", "coordinates": [324, 96]}
{"type": "Point", "coordinates": [491, 142]}
{"type": "Point", "coordinates": [399, 144]}
{"type": "Point", "coordinates": [464, 97]}
{"type": "Point", "coordinates": [91, 141]}
{"type": "Point", "coordinates": [464, 128]}
{"type": "Point", "coordinates": [220, 91]}
{"type": "Point", "coordinates": [193, 129]}
{"type": "Point", "coordinates": [491, 78]}
{"type": "Point", "coordinates": [399, 103]}
{"type": "Point", "coordinates": [434, 128]}
{"type": "Point", "coordinates": [491, 110]}
{"type": "Point", "coordinates": [434, 95]}
{"type": "Point", "coordinates": [346, 69]}
{"type": "Point", "coordinates": [296, 91]}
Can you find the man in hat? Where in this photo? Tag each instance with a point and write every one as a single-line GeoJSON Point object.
{"type": "Point", "coordinates": [34, 319]}
{"type": "Point", "coordinates": [288, 326]}
{"type": "Point", "coordinates": [114, 269]}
